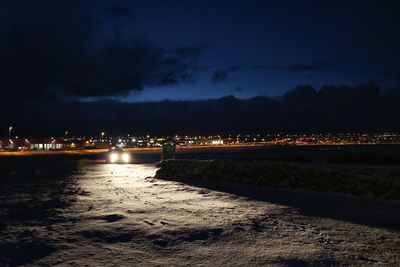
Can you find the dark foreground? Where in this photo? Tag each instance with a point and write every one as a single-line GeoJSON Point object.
{"type": "Point", "coordinates": [370, 181]}
{"type": "Point", "coordinates": [79, 211]}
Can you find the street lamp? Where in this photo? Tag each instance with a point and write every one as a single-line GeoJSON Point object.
{"type": "Point", "coordinates": [65, 134]}
{"type": "Point", "coordinates": [9, 132]}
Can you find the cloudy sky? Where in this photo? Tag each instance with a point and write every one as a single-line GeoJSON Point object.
{"type": "Point", "coordinates": [177, 50]}
{"type": "Point", "coordinates": [91, 65]}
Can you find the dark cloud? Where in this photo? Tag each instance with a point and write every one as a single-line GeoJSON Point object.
{"type": "Point", "coordinates": [318, 65]}
{"type": "Point", "coordinates": [222, 75]}
{"type": "Point", "coordinates": [61, 49]}
{"type": "Point", "coordinates": [331, 109]}
{"type": "Point", "coordinates": [300, 95]}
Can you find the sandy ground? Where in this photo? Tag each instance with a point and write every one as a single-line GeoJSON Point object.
{"type": "Point", "coordinates": [120, 216]}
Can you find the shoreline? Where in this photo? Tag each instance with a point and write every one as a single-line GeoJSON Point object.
{"type": "Point", "coordinates": [158, 149]}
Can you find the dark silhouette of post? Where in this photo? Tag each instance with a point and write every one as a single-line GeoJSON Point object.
{"type": "Point", "coordinates": [9, 132]}
{"type": "Point", "coordinates": [168, 150]}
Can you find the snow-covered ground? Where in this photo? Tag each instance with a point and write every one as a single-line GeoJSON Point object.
{"type": "Point", "coordinates": [121, 216]}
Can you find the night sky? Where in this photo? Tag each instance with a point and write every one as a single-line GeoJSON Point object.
{"type": "Point", "coordinates": [269, 47]}
{"type": "Point", "coordinates": [74, 52]}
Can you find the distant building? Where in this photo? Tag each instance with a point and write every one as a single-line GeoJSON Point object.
{"type": "Point", "coordinates": [44, 143]}
{"type": "Point", "coordinates": [9, 144]}
{"type": "Point", "coordinates": [217, 142]}
{"type": "Point", "coordinates": [31, 143]}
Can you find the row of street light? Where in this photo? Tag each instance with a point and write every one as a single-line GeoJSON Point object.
{"type": "Point", "coordinates": [10, 129]}
{"type": "Point", "coordinates": [66, 134]}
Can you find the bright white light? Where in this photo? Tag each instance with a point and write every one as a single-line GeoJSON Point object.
{"type": "Point", "coordinates": [113, 157]}
{"type": "Point", "coordinates": [125, 157]}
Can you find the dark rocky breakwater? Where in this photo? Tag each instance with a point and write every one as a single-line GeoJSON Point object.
{"type": "Point", "coordinates": [361, 180]}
